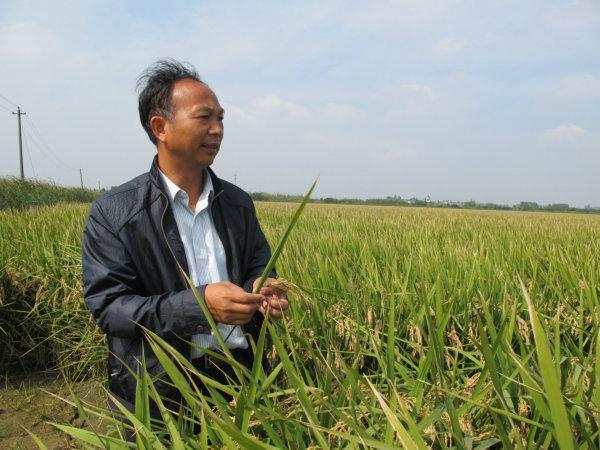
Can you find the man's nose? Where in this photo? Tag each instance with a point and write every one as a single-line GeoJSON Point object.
{"type": "Point", "coordinates": [216, 128]}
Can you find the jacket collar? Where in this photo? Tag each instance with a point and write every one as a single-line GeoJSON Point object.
{"type": "Point", "coordinates": [157, 180]}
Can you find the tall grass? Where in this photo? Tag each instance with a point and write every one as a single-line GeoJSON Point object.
{"type": "Point", "coordinates": [22, 194]}
{"type": "Point", "coordinates": [407, 327]}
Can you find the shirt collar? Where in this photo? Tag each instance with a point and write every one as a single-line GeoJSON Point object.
{"type": "Point", "coordinates": [173, 189]}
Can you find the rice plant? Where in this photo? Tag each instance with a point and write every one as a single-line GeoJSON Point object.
{"type": "Point", "coordinates": [407, 327]}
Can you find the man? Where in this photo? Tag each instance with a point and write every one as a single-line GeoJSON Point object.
{"type": "Point", "coordinates": [180, 216]}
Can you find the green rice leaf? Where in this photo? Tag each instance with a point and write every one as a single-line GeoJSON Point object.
{"type": "Point", "coordinates": [284, 238]}
{"type": "Point", "coordinates": [406, 439]}
{"type": "Point", "coordinates": [36, 439]}
{"type": "Point", "coordinates": [551, 379]}
{"type": "Point", "coordinates": [91, 438]}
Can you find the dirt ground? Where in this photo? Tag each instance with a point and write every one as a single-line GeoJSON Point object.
{"type": "Point", "coordinates": [23, 403]}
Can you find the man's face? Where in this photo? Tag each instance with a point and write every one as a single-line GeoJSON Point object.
{"type": "Point", "coordinates": [194, 132]}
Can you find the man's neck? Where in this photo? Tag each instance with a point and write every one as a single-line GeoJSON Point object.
{"type": "Point", "coordinates": [186, 177]}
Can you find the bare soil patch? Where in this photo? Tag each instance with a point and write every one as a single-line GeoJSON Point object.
{"type": "Point", "coordinates": [25, 401]}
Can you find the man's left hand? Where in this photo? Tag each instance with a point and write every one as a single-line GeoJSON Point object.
{"type": "Point", "coordinates": [276, 303]}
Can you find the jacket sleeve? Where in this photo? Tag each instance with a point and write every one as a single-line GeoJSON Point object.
{"type": "Point", "coordinates": [260, 253]}
{"type": "Point", "coordinates": [113, 295]}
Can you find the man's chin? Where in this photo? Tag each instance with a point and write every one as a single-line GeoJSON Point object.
{"type": "Point", "coordinates": [205, 162]}
{"type": "Point", "coordinates": [211, 159]}
{"type": "Point", "coordinates": [209, 155]}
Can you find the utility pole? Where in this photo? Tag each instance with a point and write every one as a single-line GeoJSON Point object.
{"type": "Point", "coordinates": [98, 184]}
{"type": "Point", "coordinates": [81, 178]}
{"type": "Point", "coordinates": [235, 179]}
{"type": "Point", "coordinates": [19, 114]}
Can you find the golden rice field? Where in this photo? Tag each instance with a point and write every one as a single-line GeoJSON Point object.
{"type": "Point", "coordinates": [408, 327]}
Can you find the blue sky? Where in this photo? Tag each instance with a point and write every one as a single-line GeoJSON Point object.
{"type": "Point", "coordinates": [487, 100]}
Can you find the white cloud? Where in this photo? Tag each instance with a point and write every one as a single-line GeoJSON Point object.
{"type": "Point", "coordinates": [449, 46]}
{"type": "Point", "coordinates": [273, 107]}
{"type": "Point", "coordinates": [238, 116]}
{"type": "Point", "coordinates": [581, 86]}
{"type": "Point", "coordinates": [336, 111]}
{"type": "Point", "coordinates": [389, 14]}
{"type": "Point", "coordinates": [565, 133]}
{"type": "Point", "coordinates": [327, 139]}
{"type": "Point", "coordinates": [398, 154]}
{"type": "Point", "coordinates": [408, 100]}
{"type": "Point", "coordinates": [574, 14]}
{"type": "Point", "coordinates": [26, 41]}
{"type": "Point", "coordinates": [262, 109]}
{"type": "Point", "coordinates": [273, 104]}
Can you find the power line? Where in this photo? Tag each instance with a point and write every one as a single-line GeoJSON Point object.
{"type": "Point", "coordinates": [45, 144]}
{"type": "Point", "coordinates": [38, 140]}
{"type": "Point", "coordinates": [39, 146]}
{"type": "Point", "coordinates": [9, 101]}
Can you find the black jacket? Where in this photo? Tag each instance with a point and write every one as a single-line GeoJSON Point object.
{"type": "Point", "coordinates": [131, 257]}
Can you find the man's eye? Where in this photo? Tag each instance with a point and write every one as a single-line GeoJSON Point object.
{"type": "Point", "coordinates": [220, 118]}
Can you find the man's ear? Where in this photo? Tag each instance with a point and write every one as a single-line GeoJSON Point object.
{"type": "Point", "coordinates": [158, 125]}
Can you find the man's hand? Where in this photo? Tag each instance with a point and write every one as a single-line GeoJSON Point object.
{"type": "Point", "coordinates": [276, 302]}
{"type": "Point", "coordinates": [230, 304]}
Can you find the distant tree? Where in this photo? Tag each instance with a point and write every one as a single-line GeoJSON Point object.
{"type": "Point", "coordinates": [260, 196]}
{"type": "Point", "coordinates": [528, 206]}
{"type": "Point", "coordinates": [558, 207]}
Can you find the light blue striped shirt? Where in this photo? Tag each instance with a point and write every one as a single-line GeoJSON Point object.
{"type": "Point", "coordinates": [205, 255]}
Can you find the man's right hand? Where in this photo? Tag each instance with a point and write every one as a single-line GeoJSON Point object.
{"type": "Point", "coordinates": [230, 304]}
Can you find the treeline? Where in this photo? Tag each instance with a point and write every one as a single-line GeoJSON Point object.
{"type": "Point", "coordinates": [22, 194]}
{"type": "Point", "coordinates": [399, 201]}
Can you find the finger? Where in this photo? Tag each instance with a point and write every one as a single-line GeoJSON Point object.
{"type": "Point", "coordinates": [276, 313]}
{"type": "Point", "coordinates": [246, 298]}
{"type": "Point", "coordinates": [246, 309]}
{"type": "Point", "coordinates": [238, 319]}
{"type": "Point", "coordinates": [273, 291]}
{"type": "Point", "coordinates": [238, 309]}
{"type": "Point", "coordinates": [279, 303]}
{"type": "Point", "coordinates": [268, 281]}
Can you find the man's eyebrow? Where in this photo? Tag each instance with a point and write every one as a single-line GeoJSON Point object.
{"type": "Point", "coordinates": [210, 110]}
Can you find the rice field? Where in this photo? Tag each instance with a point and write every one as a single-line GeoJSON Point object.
{"type": "Point", "coordinates": [408, 327]}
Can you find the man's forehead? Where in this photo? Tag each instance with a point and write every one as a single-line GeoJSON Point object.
{"type": "Point", "coordinates": [194, 94]}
